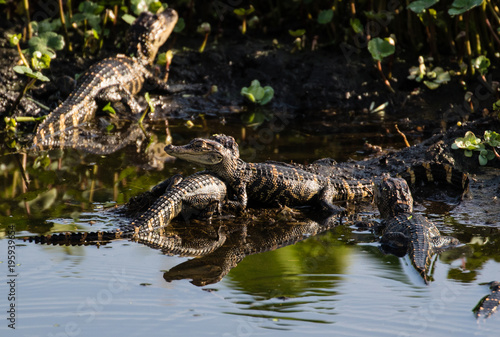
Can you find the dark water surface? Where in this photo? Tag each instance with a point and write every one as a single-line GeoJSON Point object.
{"type": "Point", "coordinates": [337, 283]}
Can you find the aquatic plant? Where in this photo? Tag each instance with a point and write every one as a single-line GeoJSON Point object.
{"type": "Point", "coordinates": [257, 94]}
{"type": "Point", "coordinates": [470, 143]}
{"type": "Point", "coordinates": [380, 49]}
{"type": "Point", "coordinates": [204, 29]}
{"type": "Point", "coordinates": [432, 78]}
{"type": "Point", "coordinates": [243, 13]}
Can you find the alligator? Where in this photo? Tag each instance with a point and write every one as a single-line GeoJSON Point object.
{"type": "Point", "coordinates": [271, 184]}
{"type": "Point", "coordinates": [405, 231]}
{"type": "Point", "coordinates": [113, 79]}
{"type": "Point", "coordinates": [199, 195]}
{"type": "Point", "coordinates": [490, 303]}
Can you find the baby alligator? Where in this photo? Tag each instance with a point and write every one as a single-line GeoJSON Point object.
{"type": "Point", "coordinates": [268, 183]}
{"type": "Point", "coordinates": [200, 194]}
{"type": "Point", "coordinates": [113, 79]}
{"type": "Point", "coordinates": [405, 231]}
{"type": "Point", "coordinates": [490, 303]}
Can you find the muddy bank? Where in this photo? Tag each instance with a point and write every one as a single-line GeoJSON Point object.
{"type": "Point", "coordinates": [318, 84]}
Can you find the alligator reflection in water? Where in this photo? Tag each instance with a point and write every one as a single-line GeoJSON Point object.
{"type": "Point", "coordinates": [217, 248]}
{"type": "Point", "coordinates": [143, 147]}
{"type": "Point", "coordinates": [241, 241]}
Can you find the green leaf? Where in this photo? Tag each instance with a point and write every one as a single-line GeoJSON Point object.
{"type": "Point", "coordinates": [441, 75]}
{"type": "Point", "coordinates": [481, 64]}
{"type": "Point", "coordinates": [432, 85]}
{"type": "Point", "coordinates": [468, 153]}
{"type": "Point", "coordinates": [46, 43]}
{"type": "Point", "coordinates": [14, 39]}
{"type": "Point", "coordinates": [40, 61]}
{"type": "Point", "coordinates": [325, 16]}
{"type": "Point", "coordinates": [155, 6]}
{"type": "Point", "coordinates": [356, 26]}
{"type": "Point", "coordinates": [380, 48]}
{"type": "Point", "coordinates": [128, 18]}
{"type": "Point", "coordinates": [180, 25]}
{"type": "Point", "coordinates": [89, 7]}
{"type": "Point", "coordinates": [421, 5]}
{"type": "Point", "coordinates": [268, 95]}
{"type": "Point", "coordinates": [256, 94]}
{"type": "Point", "coordinates": [297, 33]}
{"type": "Point", "coordinates": [492, 138]}
{"type": "Point", "coordinates": [150, 103]}
{"type": "Point", "coordinates": [46, 25]}
{"type": "Point", "coordinates": [482, 160]}
{"type": "Point", "coordinates": [243, 11]}
{"type": "Point", "coordinates": [109, 109]}
{"type": "Point", "coordinates": [459, 7]}
{"type": "Point", "coordinates": [30, 73]}
{"type": "Point", "coordinates": [496, 105]}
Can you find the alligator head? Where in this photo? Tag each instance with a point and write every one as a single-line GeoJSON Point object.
{"type": "Point", "coordinates": [212, 151]}
{"type": "Point", "coordinates": [392, 197]}
{"type": "Point", "coordinates": [149, 32]}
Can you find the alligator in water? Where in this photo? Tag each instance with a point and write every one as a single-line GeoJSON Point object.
{"type": "Point", "coordinates": [271, 184]}
{"type": "Point", "coordinates": [200, 195]}
{"type": "Point", "coordinates": [405, 231]}
{"type": "Point", "coordinates": [113, 79]}
{"type": "Point", "coordinates": [490, 303]}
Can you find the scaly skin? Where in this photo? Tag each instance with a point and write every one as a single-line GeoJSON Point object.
{"type": "Point", "coordinates": [200, 194]}
{"type": "Point", "coordinates": [490, 303]}
{"type": "Point", "coordinates": [405, 230]}
{"type": "Point", "coordinates": [113, 79]}
{"type": "Point", "coordinates": [268, 183]}
{"type": "Point", "coordinates": [248, 240]}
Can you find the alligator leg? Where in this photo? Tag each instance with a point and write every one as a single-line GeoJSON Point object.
{"type": "Point", "coordinates": [241, 194]}
{"type": "Point", "coordinates": [117, 94]}
{"type": "Point", "coordinates": [325, 198]}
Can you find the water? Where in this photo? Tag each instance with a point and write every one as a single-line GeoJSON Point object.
{"type": "Point", "coordinates": [334, 283]}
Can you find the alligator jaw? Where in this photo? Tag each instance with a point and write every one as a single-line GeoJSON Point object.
{"type": "Point", "coordinates": [197, 156]}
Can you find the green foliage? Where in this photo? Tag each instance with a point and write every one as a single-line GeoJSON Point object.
{"type": "Point", "coordinates": [109, 109]}
{"type": "Point", "coordinates": [492, 138]}
{"type": "Point", "coordinates": [459, 7]}
{"type": "Point", "coordinates": [356, 26]}
{"type": "Point", "coordinates": [139, 6]}
{"type": "Point", "coordinates": [47, 43]}
{"type": "Point", "coordinates": [257, 94]}
{"type": "Point", "coordinates": [421, 5]}
{"type": "Point", "coordinates": [481, 64]}
{"type": "Point", "coordinates": [431, 78]}
{"type": "Point", "coordinates": [14, 39]}
{"type": "Point", "coordinates": [470, 143]}
{"type": "Point", "coordinates": [128, 18]}
{"type": "Point", "coordinates": [180, 25]}
{"type": "Point", "coordinates": [297, 33]}
{"type": "Point", "coordinates": [244, 12]}
{"type": "Point", "coordinates": [30, 73]}
{"type": "Point", "coordinates": [379, 48]}
{"type": "Point", "coordinates": [40, 61]}
{"type": "Point", "coordinates": [46, 25]}
{"type": "Point", "coordinates": [325, 16]}
{"type": "Point", "coordinates": [89, 13]}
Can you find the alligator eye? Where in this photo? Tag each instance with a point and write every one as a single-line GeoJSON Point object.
{"type": "Point", "coordinates": [197, 143]}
